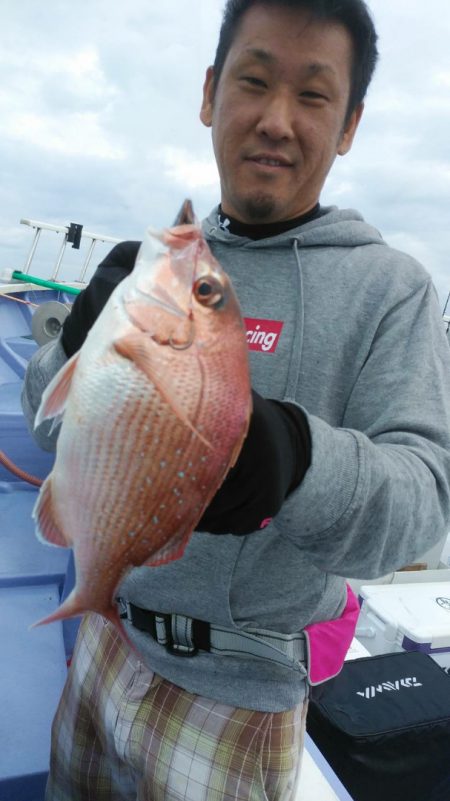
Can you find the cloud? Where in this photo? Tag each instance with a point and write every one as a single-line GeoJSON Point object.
{"type": "Point", "coordinates": [442, 78]}
{"type": "Point", "coordinates": [193, 173]}
{"type": "Point", "coordinates": [72, 134]}
{"type": "Point", "coordinates": [99, 123]}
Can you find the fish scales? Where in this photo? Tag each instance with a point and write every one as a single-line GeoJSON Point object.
{"type": "Point", "coordinates": [110, 475]}
{"type": "Point", "coordinates": [155, 409]}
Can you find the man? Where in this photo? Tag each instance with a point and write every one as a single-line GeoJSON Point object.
{"type": "Point", "coordinates": [348, 449]}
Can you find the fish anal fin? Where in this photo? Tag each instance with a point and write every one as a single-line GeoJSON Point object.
{"type": "Point", "coordinates": [140, 350]}
{"type": "Point", "coordinates": [47, 530]}
{"type": "Point", "coordinates": [55, 395]}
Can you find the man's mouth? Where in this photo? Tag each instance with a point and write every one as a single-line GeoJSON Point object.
{"type": "Point", "coordinates": [270, 161]}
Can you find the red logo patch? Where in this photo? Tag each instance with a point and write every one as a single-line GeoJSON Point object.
{"type": "Point", "coordinates": [263, 335]}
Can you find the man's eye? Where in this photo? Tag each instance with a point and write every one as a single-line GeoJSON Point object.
{"type": "Point", "coordinates": [250, 79]}
{"type": "Point", "coordinates": [313, 95]}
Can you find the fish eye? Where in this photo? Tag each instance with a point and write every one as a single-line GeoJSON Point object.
{"type": "Point", "coordinates": [208, 292]}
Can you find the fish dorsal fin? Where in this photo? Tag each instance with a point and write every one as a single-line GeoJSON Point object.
{"type": "Point", "coordinates": [47, 530]}
{"type": "Point", "coordinates": [140, 350]}
{"type": "Point", "coordinates": [54, 398]}
{"type": "Point", "coordinates": [186, 214]}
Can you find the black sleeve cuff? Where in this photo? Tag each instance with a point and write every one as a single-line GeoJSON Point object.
{"type": "Point", "coordinates": [89, 303]}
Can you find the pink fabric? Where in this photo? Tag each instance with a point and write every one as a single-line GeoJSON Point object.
{"type": "Point", "coordinates": [328, 642]}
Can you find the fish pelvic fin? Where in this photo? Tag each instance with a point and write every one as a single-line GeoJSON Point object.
{"type": "Point", "coordinates": [47, 530]}
{"type": "Point", "coordinates": [55, 396]}
{"type": "Point", "coordinates": [138, 348]}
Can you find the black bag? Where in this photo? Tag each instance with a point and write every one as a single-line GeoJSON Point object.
{"type": "Point", "coordinates": [383, 725]}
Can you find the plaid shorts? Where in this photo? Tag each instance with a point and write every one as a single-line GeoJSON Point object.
{"type": "Point", "coordinates": [123, 733]}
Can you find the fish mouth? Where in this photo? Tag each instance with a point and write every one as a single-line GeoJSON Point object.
{"type": "Point", "coordinates": [176, 326]}
{"type": "Point", "coordinates": [160, 297]}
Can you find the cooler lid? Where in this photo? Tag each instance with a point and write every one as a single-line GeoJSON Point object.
{"type": "Point", "coordinates": [420, 611]}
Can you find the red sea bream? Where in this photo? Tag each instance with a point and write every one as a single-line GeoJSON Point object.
{"type": "Point", "coordinates": [155, 407]}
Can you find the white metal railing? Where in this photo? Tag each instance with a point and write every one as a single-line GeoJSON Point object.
{"type": "Point", "coordinates": [446, 317]}
{"type": "Point", "coordinates": [65, 230]}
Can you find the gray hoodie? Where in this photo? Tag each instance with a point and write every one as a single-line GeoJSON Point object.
{"type": "Point", "coordinates": [349, 329]}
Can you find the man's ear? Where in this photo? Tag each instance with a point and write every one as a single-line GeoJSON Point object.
{"type": "Point", "coordinates": [349, 131]}
{"type": "Point", "coordinates": [208, 97]}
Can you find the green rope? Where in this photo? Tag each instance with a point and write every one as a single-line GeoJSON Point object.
{"type": "Point", "coordinates": [32, 279]}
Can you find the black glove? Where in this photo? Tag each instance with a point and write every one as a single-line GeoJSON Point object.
{"type": "Point", "coordinates": [89, 303]}
{"type": "Point", "coordinates": [274, 458]}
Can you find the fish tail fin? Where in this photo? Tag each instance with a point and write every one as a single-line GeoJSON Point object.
{"type": "Point", "coordinates": [113, 616]}
{"type": "Point", "coordinates": [73, 606]}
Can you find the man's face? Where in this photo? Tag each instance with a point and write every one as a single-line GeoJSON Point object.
{"type": "Point", "coordinates": [278, 112]}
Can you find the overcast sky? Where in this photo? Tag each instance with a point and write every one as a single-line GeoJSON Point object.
{"type": "Point", "coordinates": [99, 123]}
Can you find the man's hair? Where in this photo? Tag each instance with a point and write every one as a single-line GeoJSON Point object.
{"type": "Point", "coordinates": [352, 14]}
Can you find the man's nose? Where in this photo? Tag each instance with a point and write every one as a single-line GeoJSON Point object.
{"type": "Point", "coordinates": [277, 117]}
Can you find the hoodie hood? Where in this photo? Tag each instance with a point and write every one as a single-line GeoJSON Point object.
{"type": "Point", "coordinates": [333, 228]}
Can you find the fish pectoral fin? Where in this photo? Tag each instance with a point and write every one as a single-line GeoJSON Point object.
{"type": "Point", "coordinates": [140, 350]}
{"type": "Point", "coordinates": [47, 530]}
{"type": "Point", "coordinates": [54, 398]}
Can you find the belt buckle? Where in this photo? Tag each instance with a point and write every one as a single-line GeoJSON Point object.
{"type": "Point", "coordinates": [176, 648]}
{"type": "Point", "coordinates": [180, 650]}
{"type": "Point", "coordinates": [124, 609]}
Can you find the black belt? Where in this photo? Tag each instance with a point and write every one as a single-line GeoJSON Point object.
{"type": "Point", "coordinates": [186, 636]}
{"type": "Point", "coordinates": [179, 635]}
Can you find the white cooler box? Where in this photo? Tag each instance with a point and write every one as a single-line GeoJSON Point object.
{"type": "Point", "coordinates": [406, 617]}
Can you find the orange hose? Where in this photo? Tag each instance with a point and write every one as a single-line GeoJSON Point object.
{"type": "Point", "coordinates": [16, 471]}
{"type": "Point", "coordinates": [20, 300]}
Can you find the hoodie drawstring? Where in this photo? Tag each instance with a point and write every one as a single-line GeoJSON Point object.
{"type": "Point", "coordinates": [297, 341]}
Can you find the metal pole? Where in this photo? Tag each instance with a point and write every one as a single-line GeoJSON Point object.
{"type": "Point", "coordinates": [87, 260]}
{"type": "Point", "coordinates": [446, 304]}
{"type": "Point", "coordinates": [60, 258]}
{"type": "Point", "coordinates": [32, 251]}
